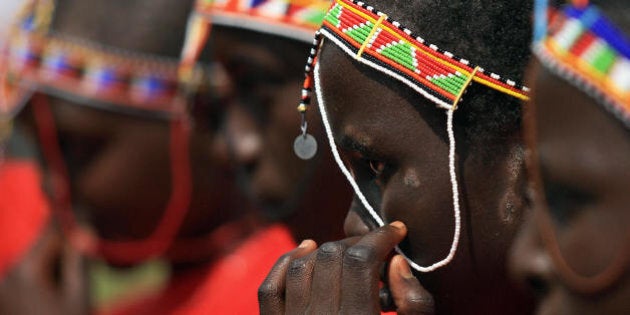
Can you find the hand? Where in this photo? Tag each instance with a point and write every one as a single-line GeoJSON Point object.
{"type": "Point", "coordinates": [49, 279]}
{"type": "Point", "coordinates": [343, 277]}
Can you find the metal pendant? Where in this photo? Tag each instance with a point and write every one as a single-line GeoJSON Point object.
{"type": "Point", "coordinates": [305, 146]}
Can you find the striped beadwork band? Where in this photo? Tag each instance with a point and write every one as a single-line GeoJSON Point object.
{"type": "Point", "coordinates": [585, 48]}
{"type": "Point", "coordinates": [36, 58]}
{"type": "Point", "coordinates": [384, 44]}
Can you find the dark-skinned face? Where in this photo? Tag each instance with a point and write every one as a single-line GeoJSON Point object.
{"type": "Point", "coordinates": [580, 169]}
{"type": "Point", "coordinates": [120, 172]}
{"type": "Point", "coordinates": [394, 142]}
{"type": "Point", "coordinates": [261, 125]}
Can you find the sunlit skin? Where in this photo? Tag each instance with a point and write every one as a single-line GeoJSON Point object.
{"type": "Point", "coordinates": [394, 142]}
{"type": "Point", "coordinates": [579, 167]}
{"type": "Point", "coordinates": [260, 126]}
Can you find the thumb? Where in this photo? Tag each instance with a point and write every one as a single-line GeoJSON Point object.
{"type": "Point", "coordinates": [406, 291]}
{"type": "Point", "coordinates": [74, 281]}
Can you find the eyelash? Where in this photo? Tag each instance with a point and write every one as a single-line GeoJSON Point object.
{"type": "Point", "coordinates": [379, 171]}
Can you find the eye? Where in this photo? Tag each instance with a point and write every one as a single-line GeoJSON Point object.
{"type": "Point", "coordinates": [565, 202]}
{"type": "Point", "coordinates": [377, 167]}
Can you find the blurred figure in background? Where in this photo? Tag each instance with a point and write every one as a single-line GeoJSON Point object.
{"type": "Point", "coordinates": [263, 47]}
{"type": "Point", "coordinates": [39, 273]}
{"type": "Point", "coordinates": [126, 134]}
{"type": "Point", "coordinates": [574, 250]}
{"type": "Point", "coordinates": [8, 9]}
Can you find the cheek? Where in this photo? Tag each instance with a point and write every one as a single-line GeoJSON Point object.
{"type": "Point", "coordinates": [132, 172]}
{"type": "Point", "coordinates": [427, 211]}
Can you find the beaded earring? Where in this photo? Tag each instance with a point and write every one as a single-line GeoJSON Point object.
{"type": "Point", "coordinates": [374, 39]}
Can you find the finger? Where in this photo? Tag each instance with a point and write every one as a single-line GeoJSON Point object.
{"type": "Point", "coordinates": [271, 292]}
{"type": "Point", "coordinates": [74, 282]}
{"type": "Point", "coordinates": [326, 287]}
{"type": "Point", "coordinates": [39, 264]}
{"type": "Point", "coordinates": [298, 284]}
{"type": "Point", "coordinates": [361, 263]}
{"type": "Point", "coordinates": [406, 291]}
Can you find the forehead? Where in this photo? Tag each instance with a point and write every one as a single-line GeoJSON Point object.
{"type": "Point", "coordinates": [359, 98]}
{"type": "Point", "coordinates": [263, 48]}
{"type": "Point", "coordinates": [573, 127]}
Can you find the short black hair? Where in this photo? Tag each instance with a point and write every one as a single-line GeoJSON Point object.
{"type": "Point", "coordinates": [493, 34]}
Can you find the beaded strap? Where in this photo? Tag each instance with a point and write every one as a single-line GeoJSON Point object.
{"type": "Point", "coordinates": [36, 58]}
{"type": "Point", "coordinates": [585, 48]}
{"type": "Point", "coordinates": [384, 44]}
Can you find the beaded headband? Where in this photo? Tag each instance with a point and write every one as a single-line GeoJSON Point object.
{"type": "Point", "coordinates": [376, 40]}
{"type": "Point", "coordinates": [37, 58]}
{"type": "Point", "coordinates": [296, 19]}
{"type": "Point", "coordinates": [586, 49]}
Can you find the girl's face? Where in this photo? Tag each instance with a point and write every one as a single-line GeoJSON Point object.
{"type": "Point", "coordinates": [393, 141]}
{"type": "Point", "coordinates": [579, 168]}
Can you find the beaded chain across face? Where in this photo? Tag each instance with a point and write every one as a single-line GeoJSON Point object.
{"type": "Point", "coordinates": [585, 48]}
{"type": "Point", "coordinates": [37, 58]}
{"type": "Point", "coordinates": [374, 39]}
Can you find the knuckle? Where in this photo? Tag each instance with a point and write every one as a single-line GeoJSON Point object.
{"type": "Point", "coordinates": [329, 251]}
{"type": "Point", "coordinates": [359, 255]}
{"type": "Point", "coordinates": [297, 268]}
{"type": "Point", "coordinates": [415, 303]}
{"type": "Point", "coordinates": [269, 290]}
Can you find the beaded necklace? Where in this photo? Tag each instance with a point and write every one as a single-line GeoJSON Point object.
{"type": "Point", "coordinates": [79, 69]}
{"type": "Point", "coordinates": [374, 39]}
{"type": "Point", "coordinates": [586, 49]}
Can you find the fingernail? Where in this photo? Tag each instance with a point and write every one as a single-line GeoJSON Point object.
{"type": "Point", "coordinates": [304, 243]}
{"type": "Point", "coordinates": [398, 225]}
{"type": "Point", "coordinates": [403, 268]}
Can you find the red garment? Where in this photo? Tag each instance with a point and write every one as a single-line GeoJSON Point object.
{"type": "Point", "coordinates": [23, 210]}
{"type": "Point", "coordinates": [229, 286]}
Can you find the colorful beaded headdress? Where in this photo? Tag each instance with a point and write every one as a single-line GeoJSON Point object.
{"type": "Point", "coordinates": [585, 48]}
{"type": "Point", "coordinates": [374, 39]}
{"type": "Point", "coordinates": [37, 58]}
{"type": "Point", "coordinates": [296, 19]}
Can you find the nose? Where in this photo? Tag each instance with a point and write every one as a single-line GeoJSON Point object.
{"type": "Point", "coordinates": [354, 225]}
{"type": "Point", "coordinates": [529, 262]}
{"type": "Point", "coordinates": [243, 136]}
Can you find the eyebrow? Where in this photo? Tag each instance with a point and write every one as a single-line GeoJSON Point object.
{"type": "Point", "coordinates": [349, 143]}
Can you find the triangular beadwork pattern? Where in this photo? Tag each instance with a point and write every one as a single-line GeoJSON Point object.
{"type": "Point", "coordinates": [435, 73]}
